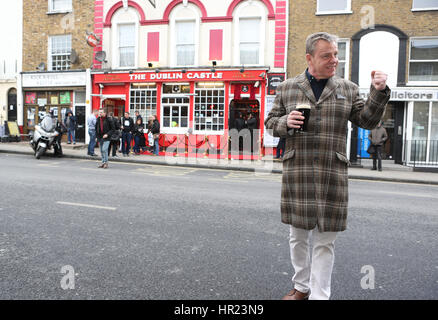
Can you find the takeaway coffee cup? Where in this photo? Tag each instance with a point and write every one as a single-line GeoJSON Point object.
{"type": "Point", "coordinates": [305, 111]}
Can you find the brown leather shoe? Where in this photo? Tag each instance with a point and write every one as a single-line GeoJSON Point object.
{"type": "Point", "coordinates": [105, 165]}
{"type": "Point", "coordinates": [101, 165]}
{"type": "Point", "coordinates": [294, 294]}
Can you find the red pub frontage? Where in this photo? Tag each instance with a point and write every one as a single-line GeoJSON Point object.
{"type": "Point", "coordinates": [196, 108]}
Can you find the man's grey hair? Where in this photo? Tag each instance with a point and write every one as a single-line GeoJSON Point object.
{"type": "Point", "coordinates": [313, 38]}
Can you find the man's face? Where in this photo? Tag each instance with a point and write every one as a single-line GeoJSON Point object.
{"type": "Point", "coordinates": [323, 62]}
{"type": "Point", "coordinates": [102, 113]}
{"type": "Point", "coordinates": [126, 115]}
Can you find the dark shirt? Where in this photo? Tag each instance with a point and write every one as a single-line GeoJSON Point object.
{"type": "Point", "coordinates": [317, 85]}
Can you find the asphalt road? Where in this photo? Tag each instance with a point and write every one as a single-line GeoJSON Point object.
{"type": "Point", "coordinates": [138, 231]}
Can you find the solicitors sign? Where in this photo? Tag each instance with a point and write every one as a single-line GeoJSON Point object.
{"type": "Point", "coordinates": [407, 94]}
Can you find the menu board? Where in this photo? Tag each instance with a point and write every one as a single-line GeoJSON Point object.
{"type": "Point", "coordinates": [30, 98]}
{"type": "Point", "coordinates": [65, 97]}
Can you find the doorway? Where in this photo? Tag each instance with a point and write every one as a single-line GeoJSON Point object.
{"type": "Point", "coordinates": [239, 114]}
{"type": "Point", "coordinates": [12, 104]}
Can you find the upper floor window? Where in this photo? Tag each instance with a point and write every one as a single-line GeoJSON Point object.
{"type": "Point", "coordinates": [423, 62]}
{"type": "Point", "coordinates": [60, 6]}
{"type": "Point", "coordinates": [59, 52]}
{"type": "Point", "coordinates": [126, 45]}
{"type": "Point", "coordinates": [343, 54]}
{"type": "Point", "coordinates": [185, 43]}
{"type": "Point", "coordinates": [333, 6]}
{"type": "Point", "coordinates": [423, 5]}
{"type": "Point", "coordinates": [249, 41]}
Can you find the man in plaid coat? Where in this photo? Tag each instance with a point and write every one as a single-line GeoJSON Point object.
{"type": "Point", "coordinates": [314, 196]}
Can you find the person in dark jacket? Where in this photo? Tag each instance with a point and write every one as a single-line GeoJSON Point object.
{"type": "Point", "coordinates": [127, 127]}
{"type": "Point", "coordinates": [70, 124]}
{"type": "Point", "coordinates": [138, 135]}
{"type": "Point", "coordinates": [138, 117]}
{"type": "Point", "coordinates": [115, 137]}
{"type": "Point", "coordinates": [104, 130]}
{"type": "Point", "coordinates": [154, 128]}
{"type": "Point", "coordinates": [378, 136]}
{"type": "Point", "coordinates": [280, 148]}
{"type": "Point", "coordinates": [251, 123]}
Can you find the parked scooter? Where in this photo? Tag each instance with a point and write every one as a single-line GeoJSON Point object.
{"type": "Point", "coordinates": [46, 136]}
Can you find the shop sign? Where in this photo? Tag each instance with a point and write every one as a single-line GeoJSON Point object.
{"type": "Point", "coordinates": [224, 75]}
{"type": "Point", "coordinates": [274, 79]}
{"type": "Point", "coordinates": [56, 79]}
{"type": "Point", "coordinates": [407, 94]}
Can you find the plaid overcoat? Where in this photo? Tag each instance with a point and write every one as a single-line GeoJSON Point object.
{"type": "Point", "coordinates": [315, 180]}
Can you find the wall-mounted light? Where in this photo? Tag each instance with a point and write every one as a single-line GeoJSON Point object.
{"type": "Point", "coordinates": [256, 84]}
{"type": "Point", "coordinates": [157, 70]}
{"type": "Point", "coordinates": [242, 70]}
{"type": "Point", "coordinates": [214, 63]}
{"type": "Point", "coordinates": [150, 64]}
{"type": "Point", "coordinates": [130, 71]}
{"type": "Point", "coordinates": [183, 71]}
{"type": "Point", "coordinates": [262, 75]}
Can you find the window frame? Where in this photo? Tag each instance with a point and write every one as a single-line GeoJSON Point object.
{"type": "Point", "coordinates": [174, 130]}
{"type": "Point", "coordinates": [51, 10]}
{"type": "Point", "coordinates": [116, 46]}
{"type": "Point", "coordinates": [262, 38]}
{"type": "Point", "coordinates": [423, 9]}
{"type": "Point", "coordinates": [347, 57]}
{"type": "Point", "coordinates": [209, 131]}
{"type": "Point", "coordinates": [346, 11]}
{"type": "Point", "coordinates": [146, 88]}
{"type": "Point", "coordinates": [50, 55]}
{"type": "Point", "coordinates": [420, 82]}
{"type": "Point", "coordinates": [195, 43]}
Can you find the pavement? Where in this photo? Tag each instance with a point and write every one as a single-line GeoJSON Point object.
{"type": "Point", "coordinates": [391, 171]}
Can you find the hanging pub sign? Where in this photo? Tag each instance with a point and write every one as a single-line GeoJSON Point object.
{"type": "Point", "coordinates": [274, 79]}
{"type": "Point", "coordinates": [92, 40]}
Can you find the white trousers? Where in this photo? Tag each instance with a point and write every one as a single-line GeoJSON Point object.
{"type": "Point", "coordinates": [312, 271]}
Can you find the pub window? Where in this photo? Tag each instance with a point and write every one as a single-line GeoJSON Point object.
{"type": "Point", "coordinates": [333, 6]}
{"type": "Point", "coordinates": [423, 62]}
{"type": "Point", "coordinates": [424, 5]}
{"type": "Point", "coordinates": [249, 46]}
{"type": "Point", "coordinates": [60, 6]}
{"type": "Point", "coordinates": [127, 45]}
{"type": "Point", "coordinates": [175, 112]}
{"type": "Point", "coordinates": [209, 111]}
{"type": "Point", "coordinates": [143, 98]}
{"type": "Point", "coordinates": [185, 43]}
{"type": "Point", "coordinates": [59, 52]}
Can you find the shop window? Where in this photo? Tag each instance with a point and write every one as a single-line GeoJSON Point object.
{"type": "Point", "coordinates": [59, 52]}
{"type": "Point", "coordinates": [185, 43]}
{"type": "Point", "coordinates": [333, 6]}
{"type": "Point", "coordinates": [209, 109]}
{"type": "Point", "coordinates": [343, 53]}
{"type": "Point", "coordinates": [249, 46]}
{"type": "Point", "coordinates": [126, 45]}
{"type": "Point", "coordinates": [423, 5]}
{"type": "Point", "coordinates": [56, 6]}
{"type": "Point", "coordinates": [176, 88]}
{"type": "Point", "coordinates": [175, 112]}
{"type": "Point", "coordinates": [423, 63]}
{"type": "Point", "coordinates": [143, 98]}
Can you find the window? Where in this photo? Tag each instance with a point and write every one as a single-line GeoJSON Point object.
{"type": "Point", "coordinates": [127, 45]}
{"type": "Point", "coordinates": [175, 112]}
{"type": "Point", "coordinates": [333, 7]}
{"type": "Point", "coordinates": [209, 106]}
{"type": "Point", "coordinates": [343, 53]}
{"type": "Point", "coordinates": [422, 5]}
{"type": "Point", "coordinates": [185, 43]}
{"type": "Point", "coordinates": [423, 63]}
{"type": "Point", "coordinates": [60, 6]}
{"type": "Point", "coordinates": [249, 46]}
{"type": "Point", "coordinates": [143, 99]}
{"type": "Point", "coordinates": [59, 52]}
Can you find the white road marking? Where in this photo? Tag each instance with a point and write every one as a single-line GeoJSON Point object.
{"type": "Point", "coordinates": [86, 205]}
{"type": "Point", "coordinates": [395, 182]}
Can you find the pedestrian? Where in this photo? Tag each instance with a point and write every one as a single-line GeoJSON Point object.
{"type": "Point", "coordinates": [280, 148]}
{"type": "Point", "coordinates": [115, 136]}
{"type": "Point", "coordinates": [314, 196]}
{"type": "Point", "coordinates": [104, 130]}
{"type": "Point", "coordinates": [378, 136]}
{"type": "Point", "coordinates": [138, 134]}
{"type": "Point", "coordinates": [127, 127]}
{"type": "Point", "coordinates": [154, 128]}
{"type": "Point", "coordinates": [251, 123]}
{"type": "Point", "coordinates": [91, 122]}
{"type": "Point", "coordinates": [70, 123]}
{"type": "Point", "coordinates": [138, 116]}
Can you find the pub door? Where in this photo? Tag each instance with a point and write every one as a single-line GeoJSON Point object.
{"type": "Point", "coordinates": [80, 118]}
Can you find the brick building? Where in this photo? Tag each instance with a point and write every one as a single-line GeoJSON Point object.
{"type": "Point", "coordinates": [196, 64]}
{"type": "Point", "coordinates": [399, 37]}
{"type": "Point", "coordinates": [56, 60]}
